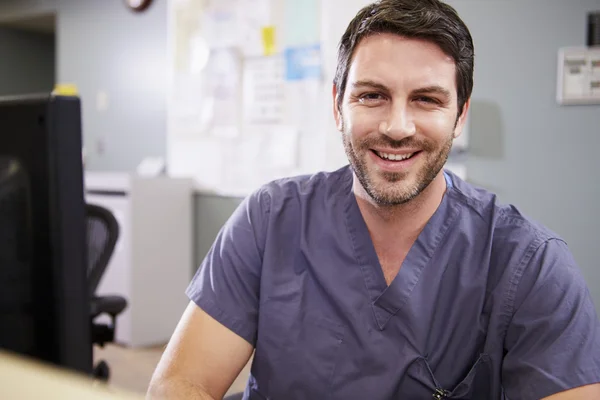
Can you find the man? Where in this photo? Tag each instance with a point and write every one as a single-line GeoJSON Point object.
{"type": "Point", "coordinates": [391, 278]}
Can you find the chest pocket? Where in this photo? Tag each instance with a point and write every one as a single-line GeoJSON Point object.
{"type": "Point", "coordinates": [420, 382]}
{"type": "Point", "coordinates": [297, 354]}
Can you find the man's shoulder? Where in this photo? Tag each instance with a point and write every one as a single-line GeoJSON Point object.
{"type": "Point", "coordinates": [518, 247]}
{"type": "Point", "coordinates": [319, 185]}
{"type": "Point", "coordinates": [505, 221]}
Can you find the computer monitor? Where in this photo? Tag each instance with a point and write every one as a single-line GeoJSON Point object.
{"type": "Point", "coordinates": [44, 299]}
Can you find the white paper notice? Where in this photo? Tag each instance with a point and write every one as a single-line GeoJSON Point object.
{"type": "Point", "coordinates": [198, 158]}
{"type": "Point", "coordinates": [254, 15]}
{"type": "Point", "coordinates": [282, 148]}
{"type": "Point", "coordinates": [243, 171]}
{"type": "Point", "coordinates": [263, 92]}
{"type": "Point", "coordinates": [221, 24]}
{"type": "Point", "coordinates": [224, 90]}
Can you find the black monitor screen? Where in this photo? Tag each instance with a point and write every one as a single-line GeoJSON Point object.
{"type": "Point", "coordinates": [44, 298]}
{"type": "Point", "coordinates": [17, 306]}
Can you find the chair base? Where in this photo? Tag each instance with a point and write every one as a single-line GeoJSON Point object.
{"type": "Point", "coordinates": [101, 371]}
{"type": "Point", "coordinates": [102, 334]}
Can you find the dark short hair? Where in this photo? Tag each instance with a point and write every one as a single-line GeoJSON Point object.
{"type": "Point", "coordinates": [431, 20]}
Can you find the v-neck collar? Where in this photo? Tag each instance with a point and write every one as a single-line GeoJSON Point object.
{"type": "Point", "coordinates": [386, 300]}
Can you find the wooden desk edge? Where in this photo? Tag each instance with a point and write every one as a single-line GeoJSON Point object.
{"type": "Point", "coordinates": [23, 378]}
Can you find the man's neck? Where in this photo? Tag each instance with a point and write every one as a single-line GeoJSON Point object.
{"type": "Point", "coordinates": [404, 221]}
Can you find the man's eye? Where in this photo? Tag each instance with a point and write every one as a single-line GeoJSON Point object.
{"type": "Point", "coordinates": [367, 97]}
{"type": "Point", "coordinates": [429, 100]}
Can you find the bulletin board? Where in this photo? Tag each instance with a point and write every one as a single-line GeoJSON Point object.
{"type": "Point", "coordinates": [237, 71]}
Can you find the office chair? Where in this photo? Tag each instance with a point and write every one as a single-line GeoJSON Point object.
{"type": "Point", "coordinates": [102, 235]}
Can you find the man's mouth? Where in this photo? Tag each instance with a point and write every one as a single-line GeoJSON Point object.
{"type": "Point", "coordinates": [394, 157]}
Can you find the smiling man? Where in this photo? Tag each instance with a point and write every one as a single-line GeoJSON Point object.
{"type": "Point", "coordinates": [390, 278]}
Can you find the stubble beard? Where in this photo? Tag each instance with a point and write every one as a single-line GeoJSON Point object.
{"type": "Point", "coordinates": [392, 188]}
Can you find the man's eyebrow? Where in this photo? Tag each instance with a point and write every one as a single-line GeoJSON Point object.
{"type": "Point", "coordinates": [369, 84]}
{"type": "Point", "coordinates": [434, 89]}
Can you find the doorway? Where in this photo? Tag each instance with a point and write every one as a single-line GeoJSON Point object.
{"type": "Point", "coordinates": [28, 54]}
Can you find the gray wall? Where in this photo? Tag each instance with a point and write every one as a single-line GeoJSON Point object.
{"type": "Point", "coordinates": [534, 153]}
{"type": "Point", "coordinates": [211, 212]}
{"type": "Point", "coordinates": [104, 47]}
{"type": "Point", "coordinates": [28, 62]}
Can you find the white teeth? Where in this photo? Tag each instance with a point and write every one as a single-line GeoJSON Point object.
{"type": "Point", "coordinates": [395, 157]}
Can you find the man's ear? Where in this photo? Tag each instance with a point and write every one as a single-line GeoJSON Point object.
{"type": "Point", "coordinates": [337, 115]}
{"type": "Point", "coordinates": [462, 119]}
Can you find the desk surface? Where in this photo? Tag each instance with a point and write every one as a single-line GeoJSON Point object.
{"type": "Point", "coordinates": [28, 380]}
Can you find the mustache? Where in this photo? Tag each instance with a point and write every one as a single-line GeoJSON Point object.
{"type": "Point", "coordinates": [386, 142]}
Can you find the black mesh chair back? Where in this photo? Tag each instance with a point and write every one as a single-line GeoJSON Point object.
{"type": "Point", "coordinates": [102, 235]}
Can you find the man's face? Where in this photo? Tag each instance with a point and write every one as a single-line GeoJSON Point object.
{"type": "Point", "coordinates": [398, 115]}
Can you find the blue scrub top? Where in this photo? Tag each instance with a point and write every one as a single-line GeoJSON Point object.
{"type": "Point", "coordinates": [487, 304]}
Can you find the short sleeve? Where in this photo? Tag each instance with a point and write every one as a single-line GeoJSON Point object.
{"type": "Point", "coordinates": [553, 340]}
{"type": "Point", "coordinates": [226, 285]}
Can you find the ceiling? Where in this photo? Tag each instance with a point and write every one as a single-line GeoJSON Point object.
{"type": "Point", "coordinates": [39, 24]}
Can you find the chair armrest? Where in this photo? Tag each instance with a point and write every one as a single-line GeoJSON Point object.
{"type": "Point", "coordinates": [111, 305]}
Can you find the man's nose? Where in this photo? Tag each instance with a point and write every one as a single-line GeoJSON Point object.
{"type": "Point", "coordinates": [399, 124]}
